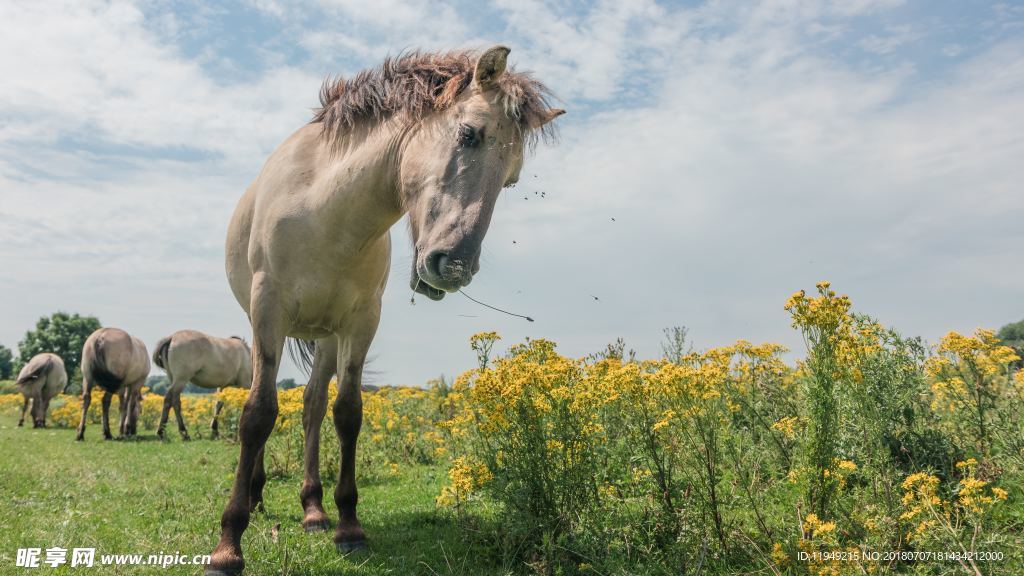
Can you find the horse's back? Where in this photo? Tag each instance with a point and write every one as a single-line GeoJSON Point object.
{"type": "Point", "coordinates": [111, 354]}
{"type": "Point", "coordinates": [207, 361]}
{"type": "Point", "coordinates": [44, 373]}
{"type": "Point", "coordinates": [56, 378]}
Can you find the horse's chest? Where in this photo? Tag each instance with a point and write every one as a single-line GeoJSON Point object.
{"type": "Point", "coordinates": [323, 302]}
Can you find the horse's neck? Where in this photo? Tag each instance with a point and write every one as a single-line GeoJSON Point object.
{"type": "Point", "coordinates": [362, 193]}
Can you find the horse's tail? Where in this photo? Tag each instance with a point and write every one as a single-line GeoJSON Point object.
{"type": "Point", "coordinates": [301, 352]}
{"type": "Point", "coordinates": [36, 372]}
{"type": "Point", "coordinates": [101, 374]}
{"type": "Point", "coordinates": [160, 352]}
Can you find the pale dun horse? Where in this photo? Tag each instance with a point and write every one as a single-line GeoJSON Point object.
{"type": "Point", "coordinates": [436, 136]}
{"type": "Point", "coordinates": [39, 381]}
{"type": "Point", "coordinates": [206, 361]}
{"type": "Point", "coordinates": [118, 363]}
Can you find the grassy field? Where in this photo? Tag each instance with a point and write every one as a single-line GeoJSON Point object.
{"type": "Point", "coordinates": [146, 496]}
{"type": "Point", "coordinates": [874, 454]}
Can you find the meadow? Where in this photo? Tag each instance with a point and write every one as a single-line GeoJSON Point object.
{"type": "Point", "coordinates": [872, 454]}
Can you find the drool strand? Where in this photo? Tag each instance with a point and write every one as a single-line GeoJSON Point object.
{"type": "Point", "coordinates": [493, 308]}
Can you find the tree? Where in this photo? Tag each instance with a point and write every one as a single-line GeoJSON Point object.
{"type": "Point", "coordinates": [1013, 336]}
{"type": "Point", "coordinates": [6, 363]}
{"type": "Point", "coordinates": [63, 334]}
{"type": "Point", "coordinates": [158, 384]}
{"type": "Point", "coordinates": [287, 384]}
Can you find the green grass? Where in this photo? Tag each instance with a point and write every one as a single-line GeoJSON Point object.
{"type": "Point", "coordinates": [146, 496]}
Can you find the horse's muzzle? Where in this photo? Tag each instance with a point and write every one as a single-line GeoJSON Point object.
{"type": "Point", "coordinates": [441, 273]}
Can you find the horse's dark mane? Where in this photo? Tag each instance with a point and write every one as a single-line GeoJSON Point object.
{"type": "Point", "coordinates": [416, 83]}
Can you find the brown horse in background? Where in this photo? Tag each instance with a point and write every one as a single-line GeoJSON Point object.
{"type": "Point", "coordinates": [436, 136]}
{"type": "Point", "coordinates": [118, 363]}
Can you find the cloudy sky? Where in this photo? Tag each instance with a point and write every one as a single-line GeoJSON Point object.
{"type": "Point", "coordinates": [716, 157]}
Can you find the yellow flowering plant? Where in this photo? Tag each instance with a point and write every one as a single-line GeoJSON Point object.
{"type": "Point", "coordinates": [972, 383]}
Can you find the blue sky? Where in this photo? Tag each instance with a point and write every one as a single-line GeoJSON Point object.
{"type": "Point", "coordinates": [745, 150]}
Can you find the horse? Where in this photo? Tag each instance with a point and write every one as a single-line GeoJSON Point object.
{"type": "Point", "coordinates": [308, 249]}
{"type": "Point", "coordinates": [206, 361]}
{"type": "Point", "coordinates": [39, 381]}
{"type": "Point", "coordinates": [118, 363]}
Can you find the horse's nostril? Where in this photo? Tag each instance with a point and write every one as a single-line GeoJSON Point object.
{"type": "Point", "coordinates": [436, 263]}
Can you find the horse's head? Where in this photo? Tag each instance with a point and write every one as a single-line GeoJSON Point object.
{"type": "Point", "coordinates": [455, 164]}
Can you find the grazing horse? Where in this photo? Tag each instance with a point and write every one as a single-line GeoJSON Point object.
{"type": "Point", "coordinates": [39, 381]}
{"type": "Point", "coordinates": [433, 135]}
{"type": "Point", "coordinates": [206, 361]}
{"type": "Point", "coordinates": [118, 363]}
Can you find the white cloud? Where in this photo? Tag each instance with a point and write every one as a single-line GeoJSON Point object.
{"type": "Point", "coordinates": [894, 37]}
{"type": "Point", "coordinates": [94, 71]}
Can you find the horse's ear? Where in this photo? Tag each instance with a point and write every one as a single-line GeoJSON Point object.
{"type": "Point", "coordinates": [490, 67]}
{"type": "Point", "coordinates": [545, 117]}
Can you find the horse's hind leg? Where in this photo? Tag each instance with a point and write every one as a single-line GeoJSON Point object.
{"type": "Point", "coordinates": [86, 400]}
{"type": "Point", "coordinates": [181, 421]}
{"type": "Point", "coordinates": [37, 410]}
{"type": "Point", "coordinates": [257, 421]}
{"type": "Point", "coordinates": [133, 408]}
{"type": "Point", "coordinates": [348, 419]}
{"type": "Point", "coordinates": [46, 410]}
{"type": "Point", "coordinates": [164, 413]}
{"type": "Point", "coordinates": [125, 400]}
{"type": "Point", "coordinates": [214, 432]}
{"type": "Point", "coordinates": [314, 400]}
{"type": "Point", "coordinates": [24, 409]}
{"type": "Point", "coordinates": [168, 404]}
{"type": "Point", "coordinates": [106, 415]}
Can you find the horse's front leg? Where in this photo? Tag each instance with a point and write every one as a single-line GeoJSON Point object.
{"type": "Point", "coordinates": [106, 415]}
{"type": "Point", "coordinates": [314, 400]}
{"type": "Point", "coordinates": [257, 422]}
{"type": "Point", "coordinates": [256, 483]}
{"type": "Point", "coordinates": [86, 400]}
{"type": "Point", "coordinates": [348, 419]}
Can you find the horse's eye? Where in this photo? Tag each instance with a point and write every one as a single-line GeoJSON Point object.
{"type": "Point", "coordinates": [468, 136]}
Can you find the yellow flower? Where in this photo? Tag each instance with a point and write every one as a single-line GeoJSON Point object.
{"type": "Point", "coordinates": [779, 555]}
{"type": "Point", "coordinates": [787, 426]}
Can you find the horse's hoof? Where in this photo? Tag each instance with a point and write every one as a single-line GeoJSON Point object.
{"type": "Point", "coordinates": [224, 564]}
{"type": "Point", "coordinates": [350, 547]}
{"type": "Point", "coordinates": [316, 526]}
